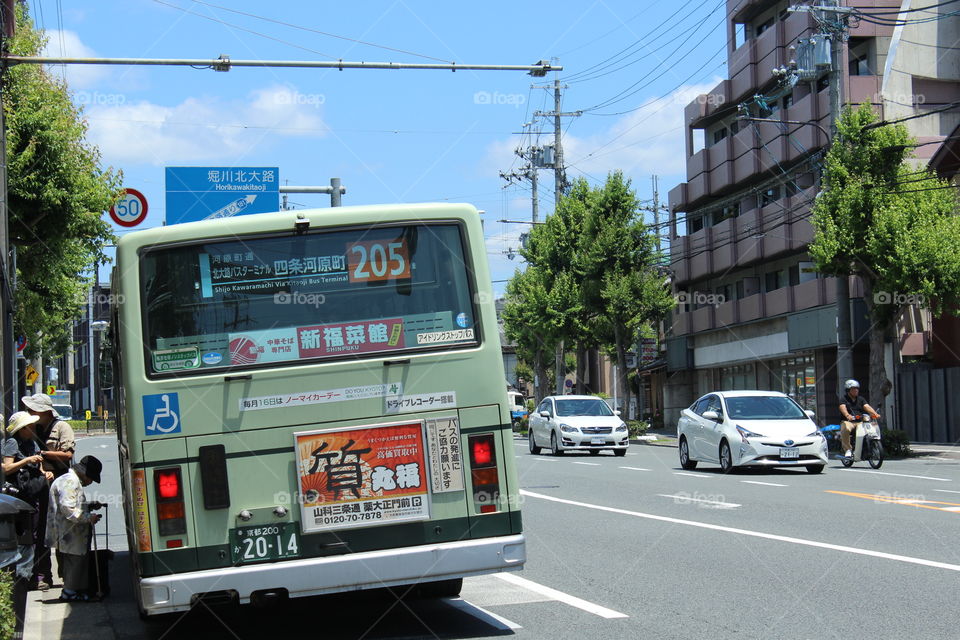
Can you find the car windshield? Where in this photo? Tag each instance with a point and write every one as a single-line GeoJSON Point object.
{"type": "Point", "coordinates": [764, 408]}
{"type": "Point", "coordinates": [584, 407]}
{"type": "Point", "coordinates": [63, 410]}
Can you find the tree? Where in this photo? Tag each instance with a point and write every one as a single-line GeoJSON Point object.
{"type": "Point", "coordinates": [622, 283]}
{"type": "Point", "coordinates": [57, 193]}
{"type": "Point", "coordinates": [554, 248]}
{"type": "Point", "coordinates": [526, 323]}
{"type": "Point", "coordinates": [892, 225]}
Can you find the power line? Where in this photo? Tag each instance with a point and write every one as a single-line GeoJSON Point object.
{"type": "Point", "coordinates": [323, 33]}
{"type": "Point", "coordinates": [592, 73]}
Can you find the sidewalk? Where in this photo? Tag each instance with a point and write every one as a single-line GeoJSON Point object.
{"type": "Point", "coordinates": [47, 618]}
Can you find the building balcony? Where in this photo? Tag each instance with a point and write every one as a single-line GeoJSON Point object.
{"type": "Point", "coordinates": [702, 319]}
{"type": "Point", "coordinates": [859, 89]}
{"type": "Point", "coordinates": [812, 293]}
{"type": "Point", "coordinates": [678, 197]}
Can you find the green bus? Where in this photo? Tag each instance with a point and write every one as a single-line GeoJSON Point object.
{"type": "Point", "coordinates": [312, 402]}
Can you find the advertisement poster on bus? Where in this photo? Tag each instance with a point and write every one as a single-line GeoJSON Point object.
{"type": "Point", "coordinates": [362, 476]}
{"type": "Point", "coordinates": [351, 337]}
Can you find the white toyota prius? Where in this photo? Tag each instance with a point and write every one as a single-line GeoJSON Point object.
{"type": "Point", "coordinates": [750, 428]}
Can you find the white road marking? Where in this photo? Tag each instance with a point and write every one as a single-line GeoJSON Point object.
{"type": "Point", "coordinates": [498, 622]}
{"type": "Point", "coordinates": [755, 534]}
{"type": "Point", "coordinates": [953, 509]}
{"type": "Point", "coordinates": [592, 464]}
{"type": "Point", "coordinates": [766, 484]}
{"type": "Point", "coordinates": [692, 475]}
{"type": "Point", "coordinates": [542, 459]}
{"type": "Point", "coordinates": [560, 596]}
{"type": "Point", "coordinates": [635, 468]}
{"type": "Point", "coordinates": [936, 450]}
{"type": "Point", "coordinates": [902, 475]}
{"type": "Point", "coordinates": [946, 491]}
{"type": "Point", "coordinates": [680, 498]}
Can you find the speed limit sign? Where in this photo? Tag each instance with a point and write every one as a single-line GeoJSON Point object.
{"type": "Point", "coordinates": [131, 210]}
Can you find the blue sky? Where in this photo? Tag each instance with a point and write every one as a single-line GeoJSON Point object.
{"type": "Point", "coordinates": [391, 136]}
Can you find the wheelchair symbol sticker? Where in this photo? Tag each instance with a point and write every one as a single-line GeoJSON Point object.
{"type": "Point", "coordinates": [161, 413]}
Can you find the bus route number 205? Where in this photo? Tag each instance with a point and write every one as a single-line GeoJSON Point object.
{"type": "Point", "coordinates": [375, 261]}
{"type": "Point", "coordinates": [264, 543]}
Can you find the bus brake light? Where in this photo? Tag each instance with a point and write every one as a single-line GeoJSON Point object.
{"type": "Point", "coordinates": [484, 472]}
{"type": "Point", "coordinates": [171, 511]}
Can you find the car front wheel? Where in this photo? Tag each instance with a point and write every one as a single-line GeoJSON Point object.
{"type": "Point", "coordinates": [815, 468]}
{"type": "Point", "coordinates": [620, 452]}
{"type": "Point", "coordinates": [726, 458]}
{"type": "Point", "coordinates": [554, 447]}
{"type": "Point", "coordinates": [685, 460]}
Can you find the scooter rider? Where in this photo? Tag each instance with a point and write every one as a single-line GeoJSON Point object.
{"type": "Point", "coordinates": [852, 408]}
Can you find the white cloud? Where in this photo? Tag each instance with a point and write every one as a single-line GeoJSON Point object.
{"type": "Point", "coordinates": [646, 141]}
{"type": "Point", "coordinates": [67, 44]}
{"type": "Point", "coordinates": [196, 130]}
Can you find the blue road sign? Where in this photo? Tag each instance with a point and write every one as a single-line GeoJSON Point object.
{"type": "Point", "coordinates": [161, 413]}
{"type": "Point", "coordinates": [202, 193]}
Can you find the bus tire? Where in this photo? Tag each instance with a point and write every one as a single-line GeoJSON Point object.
{"type": "Point", "coordinates": [442, 588]}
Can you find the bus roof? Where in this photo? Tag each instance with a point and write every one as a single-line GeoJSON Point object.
{"type": "Point", "coordinates": [271, 222]}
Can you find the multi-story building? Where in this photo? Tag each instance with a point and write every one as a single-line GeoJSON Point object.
{"type": "Point", "coordinates": [754, 313]}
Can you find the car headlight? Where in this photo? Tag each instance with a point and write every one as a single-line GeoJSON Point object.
{"type": "Point", "coordinates": [622, 427]}
{"type": "Point", "coordinates": [745, 434]}
{"type": "Point", "coordinates": [815, 434]}
{"type": "Point", "coordinates": [567, 428]}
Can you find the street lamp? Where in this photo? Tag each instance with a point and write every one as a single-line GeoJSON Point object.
{"type": "Point", "coordinates": [96, 328]}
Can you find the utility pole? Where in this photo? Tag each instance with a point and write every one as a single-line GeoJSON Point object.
{"type": "Point", "coordinates": [560, 186]}
{"type": "Point", "coordinates": [833, 20]}
{"type": "Point", "coordinates": [534, 157]}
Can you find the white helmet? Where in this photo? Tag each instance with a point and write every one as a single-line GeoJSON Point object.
{"type": "Point", "coordinates": [850, 384]}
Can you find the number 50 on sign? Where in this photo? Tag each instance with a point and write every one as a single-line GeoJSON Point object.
{"type": "Point", "coordinates": [131, 209]}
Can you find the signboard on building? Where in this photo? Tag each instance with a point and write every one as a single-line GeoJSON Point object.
{"type": "Point", "coordinates": [206, 193]}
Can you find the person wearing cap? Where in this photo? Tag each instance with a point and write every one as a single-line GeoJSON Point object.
{"type": "Point", "coordinates": [21, 467]}
{"type": "Point", "coordinates": [853, 406]}
{"type": "Point", "coordinates": [57, 444]}
{"type": "Point", "coordinates": [70, 525]}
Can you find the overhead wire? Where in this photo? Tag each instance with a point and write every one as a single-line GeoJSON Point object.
{"type": "Point", "coordinates": [594, 72]}
{"type": "Point", "coordinates": [317, 31]}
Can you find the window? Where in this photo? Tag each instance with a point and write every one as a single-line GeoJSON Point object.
{"type": "Point", "coordinates": [769, 196]}
{"type": "Point", "coordinates": [544, 406]}
{"type": "Point", "coordinates": [795, 377]}
{"type": "Point", "coordinates": [741, 376]}
{"type": "Point", "coordinates": [739, 34]}
{"type": "Point", "coordinates": [713, 404]}
{"type": "Point", "coordinates": [734, 127]}
{"type": "Point", "coordinates": [729, 211]}
{"type": "Point", "coordinates": [791, 188]}
{"type": "Point", "coordinates": [823, 82]}
{"type": "Point", "coordinates": [724, 293]}
{"type": "Point", "coordinates": [787, 101]}
{"type": "Point", "coordinates": [719, 135]}
{"type": "Point", "coordinates": [774, 280]}
{"type": "Point", "coordinates": [270, 300]}
{"type": "Point", "coordinates": [700, 405]}
{"type": "Point", "coordinates": [696, 224]}
{"type": "Point", "coordinates": [760, 28]}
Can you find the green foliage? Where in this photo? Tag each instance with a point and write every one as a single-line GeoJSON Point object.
{"type": "Point", "coordinates": [882, 219]}
{"type": "Point", "coordinates": [896, 443]}
{"type": "Point", "coordinates": [637, 428]}
{"type": "Point", "coordinates": [8, 615]}
{"type": "Point", "coordinates": [591, 279]}
{"type": "Point", "coordinates": [57, 193]}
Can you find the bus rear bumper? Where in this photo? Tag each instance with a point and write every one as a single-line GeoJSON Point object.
{"type": "Point", "coordinates": [333, 574]}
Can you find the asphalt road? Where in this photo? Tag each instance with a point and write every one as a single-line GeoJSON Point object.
{"type": "Point", "coordinates": [636, 547]}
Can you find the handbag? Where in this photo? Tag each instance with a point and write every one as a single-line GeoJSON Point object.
{"type": "Point", "coordinates": [31, 483]}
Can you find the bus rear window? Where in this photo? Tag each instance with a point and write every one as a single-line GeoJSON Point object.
{"type": "Point", "coordinates": [336, 294]}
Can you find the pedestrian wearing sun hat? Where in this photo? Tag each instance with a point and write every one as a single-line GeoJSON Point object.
{"type": "Point", "coordinates": [57, 441]}
{"type": "Point", "coordinates": [70, 524]}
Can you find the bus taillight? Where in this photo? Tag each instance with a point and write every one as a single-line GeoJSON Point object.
{"type": "Point", "coordinates": [483, 469]}
{"type": "Point", "coordinates": [171, 514]}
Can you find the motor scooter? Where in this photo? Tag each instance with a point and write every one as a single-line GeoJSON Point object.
{"type": "Point", "coordinates": [866, 443]}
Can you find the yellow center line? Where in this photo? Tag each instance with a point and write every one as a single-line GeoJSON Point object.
{"type": "Point", "coordinates": [948, 507]}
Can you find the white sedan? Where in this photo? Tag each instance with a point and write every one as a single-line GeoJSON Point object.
{"type": "Point", "coordinates": [750, 428]}
{"type": "Point", "coordinates": [583, 423]}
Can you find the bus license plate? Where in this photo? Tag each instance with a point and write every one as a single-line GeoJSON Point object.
{"type": "Point", "coordinates": [789, 453]}
{"type": "Point", "coordinates": [261, 543]}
